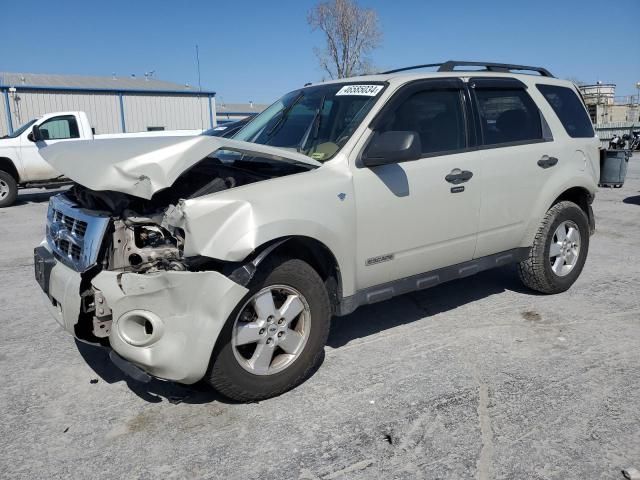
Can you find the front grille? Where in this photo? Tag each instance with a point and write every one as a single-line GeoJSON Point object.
{"type": "Point", "coordinates": [74, 234]}
{"type": "Point", "coordinates": [75, 226]}
{"type": "Point", "coordinates": [69, 249]}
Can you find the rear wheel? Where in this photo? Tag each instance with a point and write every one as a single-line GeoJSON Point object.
{"type": "Point", "coordinates": [8, 189]}
{"type": "Point", "coordinates": [559, 250]}
{"type": "Point", "coordinates": [275, 338]}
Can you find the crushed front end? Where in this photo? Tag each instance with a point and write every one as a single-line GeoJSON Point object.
{"type": "Point", "coordinates": [123, 268]}
{"type": "Point", "coordinates": [115, 276]}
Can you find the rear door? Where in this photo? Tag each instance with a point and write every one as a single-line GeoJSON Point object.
{"type": "Point", "coordinates": [410, 218]}
{"type": "Point", "coordinates": [518, 155]}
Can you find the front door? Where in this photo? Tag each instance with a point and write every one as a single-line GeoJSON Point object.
{"type": "Point", "coordinates": [420, 215]}
{"type": "Point", "coordinates": [54, 130]}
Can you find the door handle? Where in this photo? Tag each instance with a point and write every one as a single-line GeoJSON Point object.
{"type": "Point", "coordinates": [458, 176]}
{"type": "Point", "coordinates": [546, 161]}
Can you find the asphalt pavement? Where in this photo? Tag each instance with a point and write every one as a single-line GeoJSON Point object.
{"type": "Point", "coordinates": [479, 378]}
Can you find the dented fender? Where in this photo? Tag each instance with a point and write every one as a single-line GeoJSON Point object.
{"type": "Point", "coordinates": [232, 224]}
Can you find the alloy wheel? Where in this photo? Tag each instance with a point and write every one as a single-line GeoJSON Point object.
{"type": "Point", "coordinates": [4, 189]}
{"type": "Point", "coordinates": [564, 250]}
{"type": "Point", "coordinates": [271, 330]}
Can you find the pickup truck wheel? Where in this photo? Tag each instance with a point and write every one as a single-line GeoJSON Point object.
{"type": "Point", "coordinates": [275, 339]}
{"type": "Point", "coordinates": [559, 250]}
{"type": "Point", "coordinates": [8, 189]}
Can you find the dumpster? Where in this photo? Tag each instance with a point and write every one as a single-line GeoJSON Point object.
{"type": "Point", "coordinates": [613, 167]}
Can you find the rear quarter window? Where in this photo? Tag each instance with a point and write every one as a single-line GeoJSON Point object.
{"type": "Point", "coordinates": [569, 109]}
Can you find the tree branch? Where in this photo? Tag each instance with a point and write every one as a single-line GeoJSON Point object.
{"type": "Point", "coordinates": [351, 33]}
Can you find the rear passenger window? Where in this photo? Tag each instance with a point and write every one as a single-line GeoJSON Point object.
{"type": "Point", "coordinates": [435, 115]}
{"type": "Point", "coordinates": [508, 116]}
{"type": "Point", "coordinates": [569, 110]}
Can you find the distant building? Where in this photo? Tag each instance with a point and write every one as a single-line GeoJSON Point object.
{"type": "Point", "coordinates": [605, 107]}
{"type": "Point", "coordinates": [114, 104]}
{"type": "Point", "coordinates": [229, 112]}
{"type": "Point", "coordinates": [612, 115]}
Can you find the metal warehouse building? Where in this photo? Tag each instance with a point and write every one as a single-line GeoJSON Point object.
{"type": "Point", "coordinates": [113, 104]}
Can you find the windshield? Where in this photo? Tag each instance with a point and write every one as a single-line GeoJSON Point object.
{"type": "Point", "coordinates": [20, 131]}
{"type": "Point", "coordinates": [316, 121]}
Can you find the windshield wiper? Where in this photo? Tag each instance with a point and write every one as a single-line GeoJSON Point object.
{"type": "Point", "coordinates": [283, 116]}
{"type": "Point", "coordinates": [314, 126]}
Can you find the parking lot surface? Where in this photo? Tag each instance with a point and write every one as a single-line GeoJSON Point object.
{"type": "Point", "coordinates": [479, 378]}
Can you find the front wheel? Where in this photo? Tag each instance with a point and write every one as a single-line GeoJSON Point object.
{"type": "Point", "coordinates": [275, 338]}
{"type": "Point", "coordinates": [8, 189]}
{"type": "Point", "coordinates": [559, 250]}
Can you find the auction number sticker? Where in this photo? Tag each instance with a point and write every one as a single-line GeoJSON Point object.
{"type": "Point", "coordinates": [363, 90]}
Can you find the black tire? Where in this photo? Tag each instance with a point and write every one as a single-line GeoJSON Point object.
{"type": "Point", "coordinates": [536, 271]}
{"type": "Point", "coordinates": [225, 373]}
{"type": "Point", "coordinates": [7, 181]}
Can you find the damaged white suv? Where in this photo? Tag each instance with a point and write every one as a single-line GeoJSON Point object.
{"type": "Point", "coordinates": [225, 259]}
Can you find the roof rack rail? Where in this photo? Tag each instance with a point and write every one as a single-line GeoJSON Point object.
{"type": "Point", "coordinates": [450, 66]}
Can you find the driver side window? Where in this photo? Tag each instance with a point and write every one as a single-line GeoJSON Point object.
{"type": "Point", "coordinates": [60, 128]}
{"type": "Point", "coordinates": [435, 115]}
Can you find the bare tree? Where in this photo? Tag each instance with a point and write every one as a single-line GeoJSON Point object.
{"type": "Point", "coordinates": [351, 33]}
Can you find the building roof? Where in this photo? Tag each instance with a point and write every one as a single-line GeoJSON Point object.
{"type": "Point", "coordinates": [48, 81]}
{"type": "Point", "coordinates": [223, 108]}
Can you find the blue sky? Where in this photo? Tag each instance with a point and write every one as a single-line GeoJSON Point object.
{"type": "Point", "coordinates": [258, 50]}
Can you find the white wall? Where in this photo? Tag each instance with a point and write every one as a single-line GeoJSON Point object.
{"type": "Point", "coordinates": [171, 112]}
{"type": "Point", "coordinates": [4, 129]}
{"type": "Point", "coordinates": [175, 112]}
{"type": "Point", "coordinates": [103, 109]}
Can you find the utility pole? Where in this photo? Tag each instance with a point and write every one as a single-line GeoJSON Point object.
{"type": "Point", "coordinates": [199, 87]}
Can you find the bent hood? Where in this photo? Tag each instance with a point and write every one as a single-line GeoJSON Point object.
{"type": "Point", "coordinates": [144, 166]}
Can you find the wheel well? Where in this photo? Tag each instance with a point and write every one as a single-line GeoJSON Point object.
{"type": "Point", "coordinates": [318, 255]}
{"type": "Point", "coordinates": [7, 165]}
{"type": "Point", "coordinates": [578, 195]}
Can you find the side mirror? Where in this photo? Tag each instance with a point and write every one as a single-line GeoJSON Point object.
{"type": "Point", "coordinates": [35, 135]}
{"type": "Point", "coordinates": [392, 147]}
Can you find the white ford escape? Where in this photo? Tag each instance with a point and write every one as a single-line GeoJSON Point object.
{"type": "Point", "coordinates": [225, 259]}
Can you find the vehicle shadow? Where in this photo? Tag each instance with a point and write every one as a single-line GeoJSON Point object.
{"type": "Point", "coordinates": [366, 321]}
{"type": "Point", "coordinates": [394, 177]}
{"type": "Point", "coordinates": [634, 200]}
{"type": "Point", "coordinates": [372, 319]}
{"type": "Point", "coordinates": [153, 392]}
{"type": "Point", "coordinates": [38, 196]}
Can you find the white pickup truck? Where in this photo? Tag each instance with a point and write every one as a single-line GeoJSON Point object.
{"type": "Point", "coordinates": [22, 166]}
